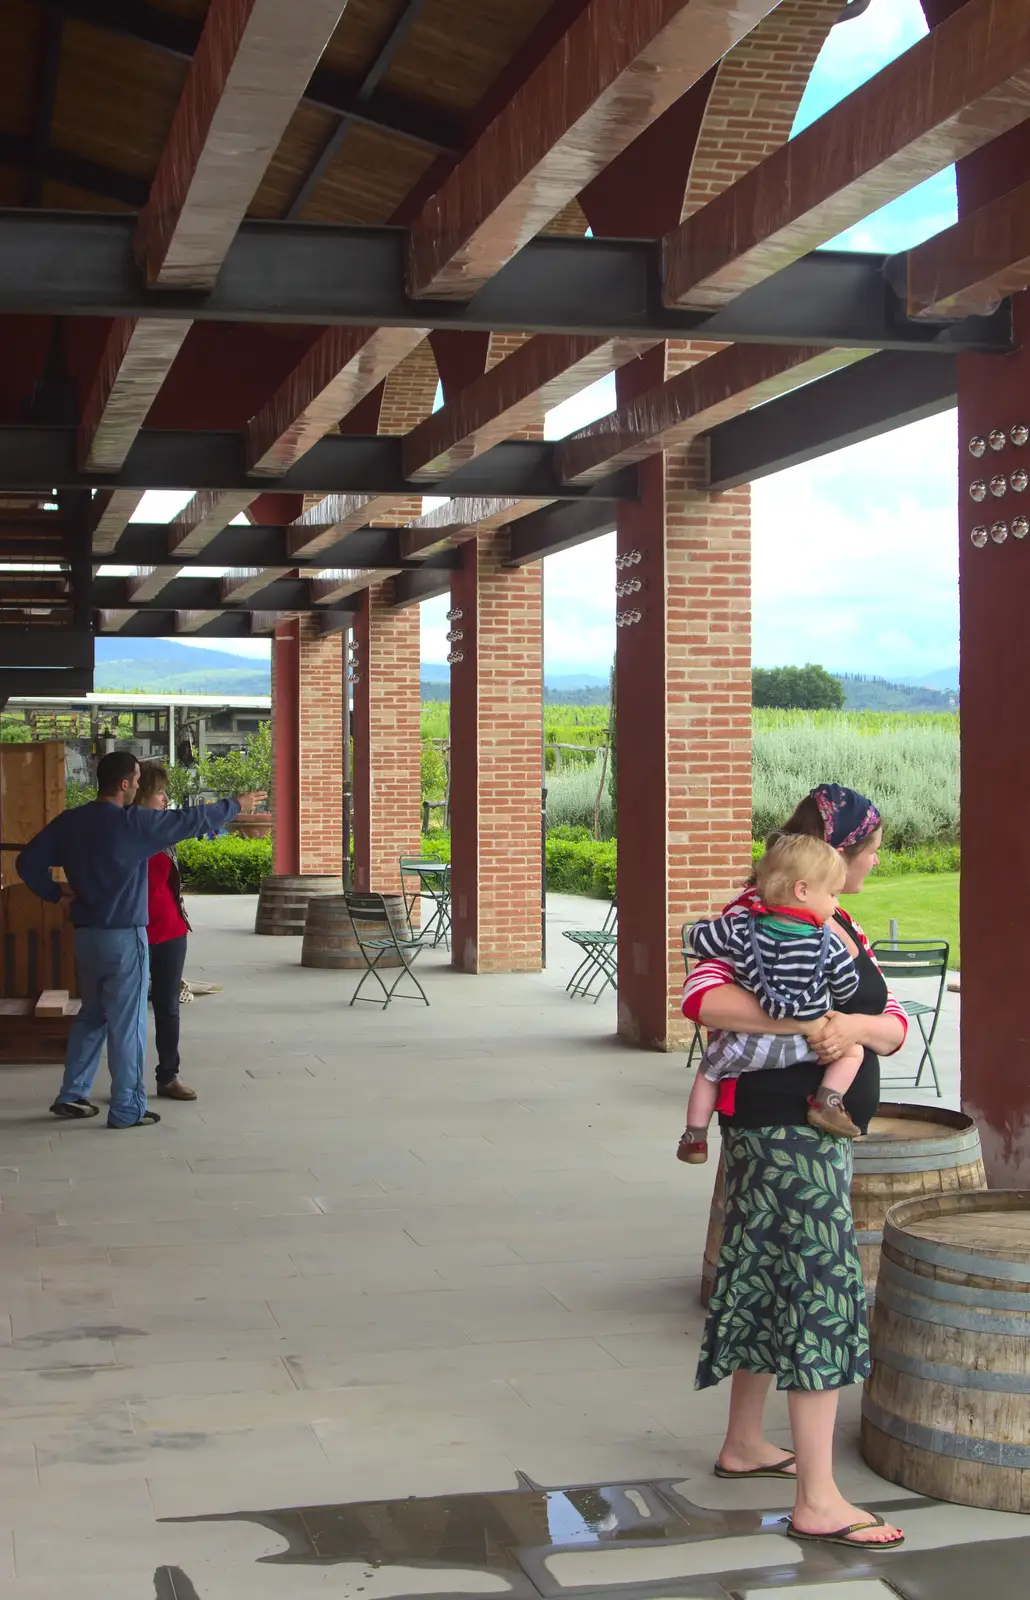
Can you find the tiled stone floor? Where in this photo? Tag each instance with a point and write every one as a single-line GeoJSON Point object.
{"type": "Point", "coordinates": [385, 1254]}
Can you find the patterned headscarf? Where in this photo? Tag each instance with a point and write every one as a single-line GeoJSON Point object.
{"type": "Point", "coordinates": [848, 817]}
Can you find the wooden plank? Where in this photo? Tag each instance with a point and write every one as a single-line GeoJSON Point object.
{"type": "Point", "coordinates": [52, 1003]}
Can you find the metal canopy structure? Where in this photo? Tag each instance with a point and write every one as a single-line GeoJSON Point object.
{"type": "Point", "coordinates": [243, 330]}
{"type": "Point", "coordinates": [58, 264]}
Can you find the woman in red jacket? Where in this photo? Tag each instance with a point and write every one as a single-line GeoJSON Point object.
{"type": "Point", "coordinates": [166, 934]}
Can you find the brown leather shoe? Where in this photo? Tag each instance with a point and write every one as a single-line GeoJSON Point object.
{"type": "Point", "coordinates": [826, 1112]}
{"type": "Point", "coordinates": [176, 1090]}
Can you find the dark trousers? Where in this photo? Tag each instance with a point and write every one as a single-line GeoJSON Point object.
{"type": "Point", "coordinates": [167, 960]}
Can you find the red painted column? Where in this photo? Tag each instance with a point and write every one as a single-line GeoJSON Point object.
{"type": "Point", "coordinates": [496, 761]}
{"type": "Point", "coordinates": [286, 747]}
{"type": "Point", "coordinates": [307, 731]}
{"type": "Point", "coordinates": [994, 582]}
{"type": "Point", "coordinates": [387, 748]}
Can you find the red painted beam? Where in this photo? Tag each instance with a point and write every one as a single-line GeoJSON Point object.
{"type": "Point", "coordinates": [244, 83]}
{"type": "Point", "coordinates": [672, 413]}
{"type": "Point", "coordinates": [612, 74]}
{"type": "Point", "coordinates": [341, 367]}
{"type": "Point", "coordinates": [957, 89]}
{"type": "Point", "coordinates": [538, 375]}
{"type": "Point", "coordinates": [967, 270]}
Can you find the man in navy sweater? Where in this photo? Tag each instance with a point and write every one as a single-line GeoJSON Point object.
{"type": "Point", "coordinates": [103, 848]}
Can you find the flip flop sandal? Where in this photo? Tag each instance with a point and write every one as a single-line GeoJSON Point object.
{"type": "Point", "coordinates": [147, 1120]}
{"type": "Point", "coordinates": [74, 1110]}
{"type": "Point", "coordinates": [844, 1536]}
{"type": "Point", "coordinates": [778, 1471]}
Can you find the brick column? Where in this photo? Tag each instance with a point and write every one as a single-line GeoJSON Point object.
{"type": "Point", "coordinates": [683, 723]}
{"type": "Point", "coordinates": [387, 752]}
{"type": "Point", "coordinates": [496, 762]}
{"type": "Point", "coordinates": [307, 710]}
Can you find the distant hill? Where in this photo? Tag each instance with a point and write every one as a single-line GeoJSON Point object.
{"type": "Point", "coordinates": [155, 666]}
{"type": "Point", "coordinates": [879, 694]}
{"type": "Point", "coordinates": [943, 678]}
{"type": "Point", "coordinates": [561, 690]}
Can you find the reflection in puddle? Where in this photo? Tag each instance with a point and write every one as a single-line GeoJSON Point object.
{"type": "Point", "coordinates": [503, 1532]}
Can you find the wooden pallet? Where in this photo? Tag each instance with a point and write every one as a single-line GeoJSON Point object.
{"type": "Point", "coordinates": [27, 1039]}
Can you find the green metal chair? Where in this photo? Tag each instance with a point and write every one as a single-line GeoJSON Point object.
{"type": "Point", "coordinates": [917, 958]}
{"type": "Point", "coordinates": [377, 939]}
{"type": "Point", "coordinates": [697, 1041]}
{"type": "Point", "coordinates": [599, 966]}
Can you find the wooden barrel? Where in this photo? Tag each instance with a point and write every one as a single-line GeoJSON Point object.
{"type": "Point", "coordinates": [946, 1411]}
{"type": "Point", "coordinates": [329, 936]}
{"type": "Point", "coordinates": [283, 901]}
{"type": "Point", "coordinates": [908, 1152]}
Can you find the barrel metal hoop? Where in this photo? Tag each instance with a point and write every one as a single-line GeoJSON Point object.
{"type": "Point", "coordinates": [955, 1293]}
{"type": "Point", "coordinates": [990, 1452]}
{"type": "Point", "coordinates": [956, 1377]}
{"type": "Point", "coordinates": [922, 1309]}
{"type": "Point", "coordinates": [887, 1169]}
{"type": "Point", "coordinates": [868, 1236]}
{"type": "Point", "coordinates": [884, 1155]}
{"type": "Point", "coordinates": [938, 1255]}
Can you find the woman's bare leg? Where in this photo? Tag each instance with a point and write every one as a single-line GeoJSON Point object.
{"type": "Point", "coordinates": [746, 1446]}
{"type": "Point", "coordinates": [819, 1506]}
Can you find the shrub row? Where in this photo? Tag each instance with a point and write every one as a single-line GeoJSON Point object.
{"type": "Point", "coordinates": [576, 863]}
{"type": "Point", "coordinates": [228, 865]}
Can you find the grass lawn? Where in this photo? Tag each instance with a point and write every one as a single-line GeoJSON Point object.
{"type": "Point", "coordinates": [925, 906]}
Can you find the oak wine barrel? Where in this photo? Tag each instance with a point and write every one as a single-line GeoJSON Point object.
{"type": "Point", "coordinates": [909, 1151]}
{"type": "Point", "coordinates": [283, 900]}
{"type": "Point", "coordinates": [329, 935]}
{"type": "Point", "coordinates": [946, 1411]}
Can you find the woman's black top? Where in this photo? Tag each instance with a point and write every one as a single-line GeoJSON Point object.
{"type": "Point", "coordinates": [777, 1097]}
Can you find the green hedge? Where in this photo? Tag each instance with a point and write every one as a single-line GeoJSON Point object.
{"type": "Point", "coordinates": [576, 863]}
{"type": "Point", "coordinates": [229, 865]}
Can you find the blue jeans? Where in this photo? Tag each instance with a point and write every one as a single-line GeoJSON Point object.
{"type": "Point", "coordinates": [114, 968]}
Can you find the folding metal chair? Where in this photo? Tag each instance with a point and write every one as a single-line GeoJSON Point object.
{"type": "Point", "coordinates": [434, 886]}
{"type": "Point", "coordinates": [697, 1040]}
{"type": "Point", "coordinates": [600, 947]}
{"type": "Point", "coordinates": [917, 958]}
{"type": "Point", "coordinates": [377, 939]}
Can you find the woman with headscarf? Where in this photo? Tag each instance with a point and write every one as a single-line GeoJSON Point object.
{"type": "Point", "coordinates": [788, 1301]}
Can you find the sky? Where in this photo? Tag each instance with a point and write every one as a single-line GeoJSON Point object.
{"type": "Point", "coordinates": [855, 555]}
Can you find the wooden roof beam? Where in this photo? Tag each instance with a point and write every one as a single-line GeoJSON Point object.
{"type": "Point", "coordinates": [970, 268]}
{"type": "Point", "coordinates": [540, 374]}
{"type": "Point", "coordinates": [675, 412]}
{"type": "Point", "coordinates": [252, 63]}
{"type": "Point", "coordinates": [961, 86]}
{"type": "Point", "coordinates": [615, 70]}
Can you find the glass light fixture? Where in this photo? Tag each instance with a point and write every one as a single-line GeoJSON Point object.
{"type": "Point", "coordinates": [1019, 433]}
{"type": "Point", "coordinates": [977, 445]}
{"type": "Point", "coordinates": [455, 656]}
{"type": "Point", "coordinates": [454, 616]}
{"type": "Point", "coordinates": [978, 490]}
{"type": "Point", "coordinates": [999, 485]}
{"type": "Point", "coordinates": [979, 536]}
{"type": "Point", "coordinates": [996, 439]}
{"type": "Point", "coordinates": [1019, 479]}
{"type": "Point", "coordinates": [999, 532]}
{"type": "Point", "coordinates": [1020, 527]}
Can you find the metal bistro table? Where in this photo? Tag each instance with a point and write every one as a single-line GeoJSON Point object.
{"type": "Point", "coordinates": [434, 885]}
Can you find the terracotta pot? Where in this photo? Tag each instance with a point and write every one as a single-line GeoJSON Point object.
{"type": "Point", "coordinates": [258, 825]}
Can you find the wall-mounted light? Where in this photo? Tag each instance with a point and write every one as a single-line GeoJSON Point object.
{"type": "Point", "coordinates": [454, 657]}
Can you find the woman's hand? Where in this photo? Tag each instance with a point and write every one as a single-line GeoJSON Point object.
{"type": "Point", "coordinates": [835, 1033]}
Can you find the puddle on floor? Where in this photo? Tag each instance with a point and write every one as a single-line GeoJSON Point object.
{"type": "Point", "coordinates": [514, 1534]}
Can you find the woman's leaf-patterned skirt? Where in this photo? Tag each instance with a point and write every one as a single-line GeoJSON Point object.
{"type": "Point", "coordinates": [788, 1296]}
